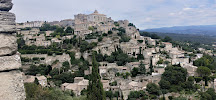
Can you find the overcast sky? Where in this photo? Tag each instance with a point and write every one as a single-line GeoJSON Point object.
{"type": "Point", "coordinates": [143, 13]}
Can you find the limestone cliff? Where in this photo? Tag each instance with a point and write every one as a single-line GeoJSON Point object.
{"type": "Point", "coordinates": [11, 80]}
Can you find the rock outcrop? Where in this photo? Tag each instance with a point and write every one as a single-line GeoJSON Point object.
{"type": "Point", "coordinates": [11, 79]}
{"type": "Point", "coordinates": [11, 86]}
{"type": "Point", "coordinates": [8, 45]}
{"type": "Point", "coordinates": [5, 5]}
{"type": "Point", "coordinates": [7, 22]}
{"type": "Point", "coordinates": [10, 62]}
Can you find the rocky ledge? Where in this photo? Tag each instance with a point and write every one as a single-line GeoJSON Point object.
{"type": "Point", "coordinates": [8, 45]}
{"type": "Point", "coordinates": [7, 22]}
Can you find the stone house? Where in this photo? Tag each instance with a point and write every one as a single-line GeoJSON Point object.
{"type": "Point", "coordinates": [48, 33]}
{"type": "Point", "coordinates": [127, 87]}
{"type": "Point", "coordinates": [106, 85]}
{"type": "Point", "coordinates": [77, 86]}
{"type": "Point", "coordinates": [107, 46]}
{"type": "Point", "coordinates": [131, 65]}
{"type": "Point", "coordinates": [155, 59]}
{"type": "Point", "coordinates": [78, 79]}
{"type": "Point", "coordinates": [42, 80]}
{"type": "Point", "coordinates": [56, 40]}
{"type": "Point", "coordinates": [175, 53]}
{"type": "Point", "coordinates": [88, 71]}
{"type": "Point", "coordinates": [123, 23]}
{"type": "Point", "coordinates": [159, 70]}
{"type": "Point", "coordinates": [114, 88]}
{"type": "Point", "coordinates": [96, 17]}
{"type": "Point", "coordinates": [179, 60]}
{"type": "Point", "coordinates": [131, 48]}
{"type": "Point", "coordinates": [168, 46]}
{"type": "Point", "coordinates": [125, 91]}
{"type": "Point", "coordinates": [102, 70]}
{"type": "Point", "coordinates": [191, 69]}
{"type": "Point", "coordinates": [33, 24]}
{"type": "Point", "coordinates": [147, 53]}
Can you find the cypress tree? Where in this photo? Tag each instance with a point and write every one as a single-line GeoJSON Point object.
{"type": "Point", "coordinates": [151, 66]}
{"type": "Point", "coordinates": [142, 68]}
{"type": "Point", "coordinates": [95, 88]}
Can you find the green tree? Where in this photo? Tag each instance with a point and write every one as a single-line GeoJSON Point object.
{"type": "Point", "coordinates": [142, 68]}
{"type": "Point", "coordinates": [36, 81]}
{"type": "Point", "coordinates": [164, 84]}
{"type": "Point", "coordinates": [100, 39]}
{"type": "Point", "coordinates": [174, 78]}
{"type": "Point", "coordinates": [134, 72]}
{"type": "Point", "coordinates": [91, 28]}
{"type": "Point", "coordinates": [152, 88]}
{"type": "Point", "coordinates": [211, 92]}
{"type": "Point", "coordinates": [110, 59]}
{"type": "Point", "coordinates": [151, 66]}
{"type": "Point", "coordinates": [167, 39]}
{"type": "Point", "coordinates": [109, 94]}
{"type": "Point", "coordinates": [59, 30]}
{"type": "Point", "coordinates": [84, 46]}
{"type": "Point", "coordinates": [110, 32]}
{"type": "Point", "coordinates": [203, 71]}
{"type": "Point", "coordinates": [65, 66]}
{"type": "Point", "coordinates": [69, 30]}
{"type": "Point", "coordinates": [99, 57]}
{"type": "Point", "coordinates": [95, 88]}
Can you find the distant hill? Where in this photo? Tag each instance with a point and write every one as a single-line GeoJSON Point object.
{"type": "Point", "coordinates": [203, 39]}
{"type": "Point", "coordinates": [209, 30]}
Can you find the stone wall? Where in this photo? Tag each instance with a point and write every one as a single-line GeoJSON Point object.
{"type": "Point", "coordinates": [11, 84]}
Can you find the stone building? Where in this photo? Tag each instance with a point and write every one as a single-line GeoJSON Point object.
{"type": "Point", "coordinates": [33, 24]}
{"type": "Point", "coordinates": [77, 86]}
{"type": "Point", "coordinates": [42, 80]}
{"type": "Point", "coordinates": [191, 69]}
{"type": "Point", "coordinates": [98, 21]}
{"type": "Point", "coordinates": [168, 46]}
{"type": "Point", "coordinates": [96, 17]}
{"type": "Point", "coordinates": [11, 85]}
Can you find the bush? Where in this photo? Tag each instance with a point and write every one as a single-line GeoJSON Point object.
{"type": "Point", "coordinates": [36, 92]}
{"type": "Point", "coordinates": [110, 32]}
{"type": "Point", "coordinates": [140, 41]}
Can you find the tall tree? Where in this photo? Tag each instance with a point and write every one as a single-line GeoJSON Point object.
{"type": "Point", "coordinates": [152, 88]}
{"type": "Point", "coordinates": [142, 68]}
{"type": "Point", "coordinates": [204, 72]}
{"type": "Point", "coordinates": [95, 88]}
{"type": "Point", "coordinates": [151, 66]}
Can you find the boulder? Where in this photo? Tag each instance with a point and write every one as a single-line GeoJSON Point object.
{"type": "Point", "coordinates": [10, 62]}
{"type": "Point", "coordinates": [6, 6]}
{"type": "Point", "coordinates": [5, 1]}
{"type": "Point", "coordinates": [7, 22]}
{"type": "Point", "coordinates": [8, 45]}
{"type": "Point", "coordinates": [11, 86]}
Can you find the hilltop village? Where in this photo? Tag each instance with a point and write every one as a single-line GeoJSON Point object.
{"type": "Point", "coordinates": [59, 54]}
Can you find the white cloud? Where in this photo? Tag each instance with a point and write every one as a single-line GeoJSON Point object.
{"type": "Point", "coordinates": [186, 9]}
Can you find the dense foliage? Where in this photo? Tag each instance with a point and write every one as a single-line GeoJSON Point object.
{"type": "Point", "coordinates": [174, 79]}
{"type": "Point", "coordinates": [207, 61]}
{"type": "Point", "coordinates": [36, 92]}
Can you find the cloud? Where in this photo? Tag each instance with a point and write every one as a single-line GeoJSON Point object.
{"type": "Point", "coordinates": [187, 8]}
{"type": "Point", "coordinates": [143, 13]}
